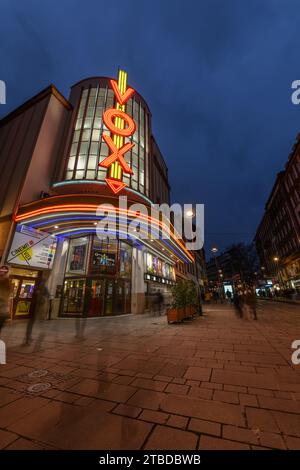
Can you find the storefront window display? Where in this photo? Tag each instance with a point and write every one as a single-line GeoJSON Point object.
{"type": "Point", "coordinates": [157, 267]}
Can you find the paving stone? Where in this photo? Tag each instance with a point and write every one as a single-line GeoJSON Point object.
{"type": "Point", "coordinates": [147, 399]}
{"type": "Point", "coordinates": [214, 443]}
{"type": "Point", "coordinates": [177, 421]}
{"type": "Point", "coordinates": [199, 392]}
{"type": "Point", "coordinates": [6, 438]}
{"type": "Point", "coordinates": [293, 443]}
{"type": "Point", "coordinates": [228, 397]}
{"type": "Point", "coordinates": [248, 400]}
{"type": "Point", "coordinates": [250, 380]}
{"type": "Point", "coordinates": [211, 385]}
{"type": "Point", "coordinates": [203, 409]}
{"type": "Point", "coordinates": [205, 427]}
{"type": "Point", "coordinates": [82, 428]}
{"type": "Point", "coordinates": [279, 404]}
{"type": "Point", "coordinates": [104, 390]}
{"type": "Point", "coordinates": [127, 410]}
{"type": "Point", "coordinates": [167, 438]}
{"type": "Point", "coordinates": [274, 441]}
{"type": "Point", "coordinates": [154, 416]}
{"type": "Point", "coordinates": [149, 384]}
{"type": "Point", "coordinates": [261, 419]}
{"type": "Point", "coordinates": [177, 389]}
{"type": "Point", "coordinates": [198, 373]}
{"type": "Point", "coordinates": [20, 408]}
{"type": "Point", "coordinates": [288, 423]}
{"type": "Point", "coordinates": [240, 434]}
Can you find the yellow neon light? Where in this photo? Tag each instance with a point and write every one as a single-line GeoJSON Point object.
{"type": "Point", "coordinates": [115, 169]}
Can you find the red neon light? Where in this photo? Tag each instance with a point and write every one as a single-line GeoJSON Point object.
{"type": "Point", "coordinates": [117, 154]}
{"type": "Point", "coordinates": [122, 98]}
{"type": "Point", "coordinates": [112, 113]}
{"type": "Point", "coordinates": [115, 185]}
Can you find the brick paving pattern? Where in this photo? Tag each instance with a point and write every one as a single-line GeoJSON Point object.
{"type": "Point", "coordinates": [135, 382]}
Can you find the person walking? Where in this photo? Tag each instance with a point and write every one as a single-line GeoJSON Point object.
{"type": "Point", "coordinates": [238, 302]}
{"type": "Point", "coordinates": [250, 301]}
{"type": "Point", "coordinates": [41, 295]}
{"type": "Point", "coordinates": [4, 295]}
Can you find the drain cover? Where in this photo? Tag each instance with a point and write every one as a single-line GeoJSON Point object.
{"type": "Point", "coordinates": [38, 388]}
{"type": "Point", "coordinates": [38, 373]}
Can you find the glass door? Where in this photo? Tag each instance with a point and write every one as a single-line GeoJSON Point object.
{"type": "Point", "coordinates": [95, 297]}
{"type": "Point", "coordinates": [109, 297]}
{"type": "Point", "coordinates": [73, 301]}
{"type": "Point", "coordinates": [22, 292]}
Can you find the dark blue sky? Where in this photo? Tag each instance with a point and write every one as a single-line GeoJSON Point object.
{"type": "Point", "coordinates": [216, 74]}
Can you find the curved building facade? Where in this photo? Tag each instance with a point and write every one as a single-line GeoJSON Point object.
{"type": "Point", "coordinates": [62, 160]}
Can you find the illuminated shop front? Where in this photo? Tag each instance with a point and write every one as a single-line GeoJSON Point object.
{"type": "Point", "coordinates": [90, 149]}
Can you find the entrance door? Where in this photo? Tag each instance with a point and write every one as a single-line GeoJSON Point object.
{"type": "Point", "coordinates": [96, 298]}
{"type": "Point", "coordinates": [23, 290]}
{"type": "Point", "coordinates": [73, 300]}
{"type": "Point", "coordinates": [109, 297]}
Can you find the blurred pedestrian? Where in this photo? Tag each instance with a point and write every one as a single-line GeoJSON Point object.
{"type": "Point", "coordinates": [238, 302]}
{"type": "Point", "coordinates": [250, 301]}
{"type": "Point", "coordinates": [41, 296]}
{"type": "Point", "coordinates": [4, 295]}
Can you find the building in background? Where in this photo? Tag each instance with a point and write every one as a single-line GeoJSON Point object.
{"type": "Point", "coordinates": [51, 185]}
{"type": "Point", "coordinates": [278, 235]}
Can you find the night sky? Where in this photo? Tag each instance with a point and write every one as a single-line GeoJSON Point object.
{"type": "Point", "coordinates": [216, 75]}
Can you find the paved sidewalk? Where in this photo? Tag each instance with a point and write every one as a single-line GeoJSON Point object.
{"type": "Point", "coordinates": [136, 382]}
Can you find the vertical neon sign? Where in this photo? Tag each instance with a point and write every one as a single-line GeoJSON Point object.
{"type": "Point", "coordinates": [121, 125]}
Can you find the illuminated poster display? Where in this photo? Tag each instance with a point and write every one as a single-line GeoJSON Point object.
{"type": "Point", "coordinates": [32, 248]}
{"type": "Point", "coordinates": [157, 267]}
{"type": "Point", "coordinates": [121, 126]}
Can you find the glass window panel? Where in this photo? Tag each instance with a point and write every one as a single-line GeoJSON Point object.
{"type": "Point", "coordinates": [134, 159]}
{"type": "Point", "coordinates": [142, 176]}
{"type": "Point", "coordinates": [71, 163]}
{"type": "Point", "coordinates": [109, 103]}
{"type": "Point", "coordinates": [80, 112]}
{"type": "Point", "coordinates": [104, 149]}
{"type": "Point", "coordinates": [76, 136]}
{"type": "Point", "coordinates": [97, 123]}
{"type": "Point", "coordinates": [99, 112]}
{"type": "Point", "coordinates": [84, 93]}
{"type": "Point", "coordinates": [90, 111]}
{"type": "Point", "coordinates": [93, 91]}
{"type": "Point", "coordinates": [88, 123]}
{"type": "Point", "coordinates": [136, 136]}
{"type": "Point", "coordinates": [69, 175]}
{"type": "Point", "coordinates": [110, 93]}
{"type": "Point", "coordinates": [90, 174]}
{"type": "Point", "coordinates": [92, 162]}
{"type": "Point", "coordinates": [86, 134]}
{"type": "Point", "coordinates": [94, 148]}
{"type": "Point", "coordinates": [101, 175]}
{"type": "Point", "coordinates": [134, 184]}
{"type": "Point", "coordinates": [79, 175]}
{"type": "Point", "coordinates": [78, 124]}
{"type": "Point", "coordinates": [81, 163]}
{"type": "Point", "coordinates": [84, 147]}
{"type": "Point", "coordinates": [102, 92]}
{"type": "Point", "coordinates": [74, 149]}
{"type": "Point", "coordinates": [96, 135]}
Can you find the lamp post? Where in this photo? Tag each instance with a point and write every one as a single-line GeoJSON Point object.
{"type": "Point", "coordinates": [214, 250]}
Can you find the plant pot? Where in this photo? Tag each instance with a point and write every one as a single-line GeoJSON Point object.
{"type": "Point", "coordinates": [173, 315]}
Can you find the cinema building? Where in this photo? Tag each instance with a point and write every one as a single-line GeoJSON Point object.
{"type": "Point", "coordinates": [62, 158]}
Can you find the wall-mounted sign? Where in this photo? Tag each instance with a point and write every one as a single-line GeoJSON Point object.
{"type": "Point", "coordinates": [121, 125]}
{"type": "Point", "coordinates": [32, 248]}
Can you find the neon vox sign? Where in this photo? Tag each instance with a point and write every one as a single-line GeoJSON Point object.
{"type": "Point", "coordinates": [121, 125]}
